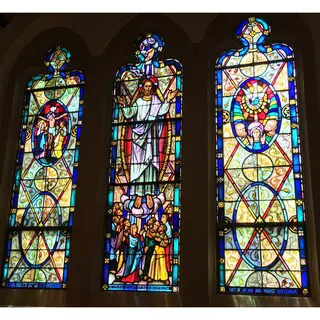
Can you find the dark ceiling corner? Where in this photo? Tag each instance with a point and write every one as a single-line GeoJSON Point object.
{"type": "Point", "coordinates": [5, 19]}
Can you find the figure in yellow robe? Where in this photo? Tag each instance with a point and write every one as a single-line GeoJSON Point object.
{"type": "Point", "coordinates": [58, 141]}
{"type": "Point", "coordinates": [158, 269]}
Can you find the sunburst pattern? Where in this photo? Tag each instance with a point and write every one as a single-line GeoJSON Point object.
{"type": "Point", "coordinates": [261, 223]}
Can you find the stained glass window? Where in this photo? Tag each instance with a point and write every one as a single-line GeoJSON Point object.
{"type": "Point", "coordinates": [44, 187]}
{"type": "Point", "coordinates": [142, 239]}
{"type": "Point", "coordinates": [261, 219]}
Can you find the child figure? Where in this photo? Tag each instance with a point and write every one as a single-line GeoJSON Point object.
{"type": "Point", "coordinates": [255, 136]}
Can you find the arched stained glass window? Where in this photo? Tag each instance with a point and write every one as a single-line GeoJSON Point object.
{"type": "Point", "coordinates": [142, 240]}
{"type": "Point", "coordinates": [261, 219]}
{"type": "Point", "coordinates": [43, 199]}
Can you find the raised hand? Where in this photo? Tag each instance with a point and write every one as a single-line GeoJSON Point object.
{"type": "Point", "coordinates": [171, 95]}
{"type": "Point", "coordinates": [123, 100]}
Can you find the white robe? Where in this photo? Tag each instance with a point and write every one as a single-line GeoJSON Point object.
{"type": "Point", "coordinates": [145, 164]}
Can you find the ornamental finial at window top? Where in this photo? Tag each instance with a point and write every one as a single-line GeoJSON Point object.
{"type": "Point", "coordinates": [253, 31]}
{"type": "Point", "coordinates": [149, 47]}
{"type": "Point", "coordinates": [57, 58]}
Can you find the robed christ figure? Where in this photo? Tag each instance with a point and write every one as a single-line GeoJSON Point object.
{"type": "Point", "coordinates": [146, 139]}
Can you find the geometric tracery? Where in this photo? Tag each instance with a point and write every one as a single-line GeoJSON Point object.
{"type": "Point", "coordinates": [43, 199]}
{"type": "Point", "coordinates": [261, 222]}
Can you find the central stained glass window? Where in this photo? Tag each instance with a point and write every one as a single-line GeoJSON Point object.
{"type": "Point", "coordinates": [261, 219]}
{"type": "Point", "coordinates": [142, 239]}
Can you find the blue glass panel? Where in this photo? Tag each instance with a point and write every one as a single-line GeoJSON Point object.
{"type": "Point", "coordinates": [18, 174]}
{"type": "Point", "coordinates": [114, 153]}
{"type": "Point", "coordinates": [178, 128]}
{"type": "Point", "coordinates": [298, 188]}
{"type": "Point", "coordinates": [5, 272]}
{"type": "Point", "coordinates": [78, 132]}
{"type": "Point", "coordinates": [176, 196]}
{"type": "Point", "coordinates": [110, 198]}
{"type": "Point", "coordinates": [175, 274]}
{"type": "Point", "coordinates": [304, 279]}
{"type": "Point", "coordinates": [70, 220]}
{"type": "Point", "coordinates": [75, 175]}
{"type": "Point", "coordinates": [105, 272]}
{"type": "Point", "coordinates": [178, 149]}
{"type": "Point", "coordinates": [178, 79]}
{"type": "Point", "coordinates": [65, 274]}
{"type": "Point", "coordinates": [178, 105]}
{"type": "Point", "coordinates": [116, 113]}
{"type": "Point", "coordinates": [300, 214]}
{"type": "Point", "coordinates": [293, 112]}
{"type": "Point", "coordinates": [76, 156]}
{"type": "Point", "coordinates": [73, 198]}
{"type": "Point", "coordinates": [15, 199]}
{"type": "Point", "coordinates": [80, 112]}
{"type": "Point", "coordinates": [108, 245]}
{"type": "Point", "coordinates": [291, 86]}
{"type": "Point", "coordinates": [219, 80]}
{"type": "Point", "coordinates": [12, 220]}
{"type": "Point", "coordinates": [8, 247]}
{"type": "Point", "coordinates": [219, 144]}
{"type": "Point", "coordinates": [219, 117]}
{"type": "Point", "coordinates": [176, 222]}
{"type": "Point", "coordinates": [175, 246]}
{"type": "Point", "coordinates": [112, 175]}
{"type": "Point", "coordinates": [115, 133]}
{"type": "Point", "coordinates": [294, 138]}
{"type": "Point", "coordinates": [290, 69]}
{"type": "Point", "coordinates": [296, 159]}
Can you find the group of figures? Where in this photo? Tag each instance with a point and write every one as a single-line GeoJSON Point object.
{"type": "Point", "coordinates": [141, 255]}
{"type": "Point", "coordinates": [258, 254]}
{"type": "Point", "coordinates": [144, 197]}
{"type": "Point", "coordinates": [259, 172]}
{"type": "Point", "coordinates": [43, 201]}
{"type": "Point", "coordinates": [50, 132]}
{"type": "Point", "coordinates": [255, 114]}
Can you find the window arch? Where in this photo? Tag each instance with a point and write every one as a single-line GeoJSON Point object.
{"type": "Point", "coordinates": [143, 220]}
{"type": "Point", "coordinates": [260, 207]}
{"type": "Point", "coordinates": [44, 187]}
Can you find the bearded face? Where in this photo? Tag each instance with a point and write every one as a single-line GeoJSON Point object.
{"type": "Point", "coordinates": [147, 88]}
{"type": "Point", "coordinates": [241, 130]}
{"type": "Point", "coordinates": [271, 125]}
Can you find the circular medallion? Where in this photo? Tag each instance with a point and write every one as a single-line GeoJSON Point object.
{"type": "Point", "coordinates": [46, 179]}
{"type": "Point", "coordinates": [257, 167]}
{"type": "Point", "coordinates": [256, 115]}
{"type": "Point", "coordinates": [253, 57]}
{"type": "Point", "coordinates": [50, 133]}
{"type": "Point", "coordinates": [55, 88]}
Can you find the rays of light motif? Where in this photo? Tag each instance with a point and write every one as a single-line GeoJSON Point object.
{"type": "Point", "coordinates": [261, 220]}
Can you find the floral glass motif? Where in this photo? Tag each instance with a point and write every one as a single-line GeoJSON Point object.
{"type": "Point", "coordinates": [44, 189]}
{"type": "Point", "coordinates": [142, 239]}
{"type": "Point", "coordinates": [261, 219]}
